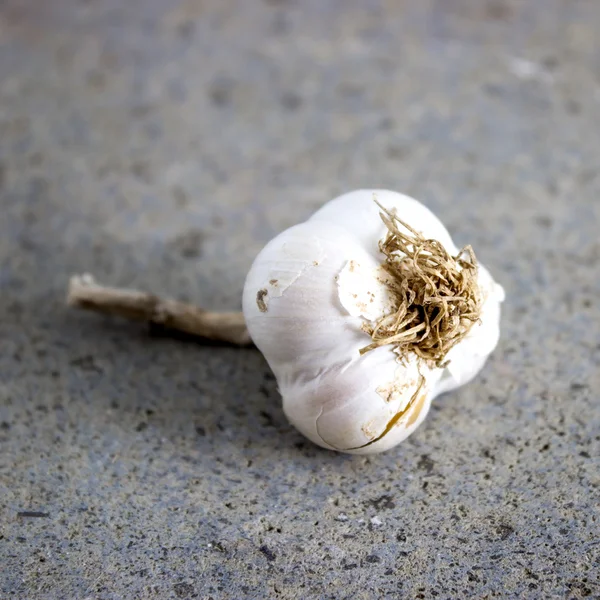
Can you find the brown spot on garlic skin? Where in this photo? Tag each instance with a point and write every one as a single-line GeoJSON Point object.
{"type": "Point", "coordinates": [367, 429]}
{"type": "Point", "coordinates": [260, 300]}
{"type": "Point", "coordinates": [315, 263]}
{"type": "Point", "coordinates": [274, 282]}
{"type": "Point", "coordinates": [392, 390]}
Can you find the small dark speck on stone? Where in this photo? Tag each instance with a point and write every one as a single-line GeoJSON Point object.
{"type": "Point", "coordinates": [504, 531]}
{"type": "Point", "coordinates": [220, 94]}
{"type": "Point", "coordinates": [184, 590]}
{"type": "Point", "coordinates": [350, 89]}
{"type": "Point", "coordinates": [488, 454]}
{"type": "Point", "coordinates": [385, 502]}
{"type": "Point", "coordinates": [550, 62]}
{"type": "Point", "coordinates": [425, 463]}
{"type": "Point", "coordinates": [268, 418]}
{"type": "Point", "coordinates": [141, 110]}
{"type": "Point", "coordinates": [189, 244]}
{"type": "Point", "coordinates": [86, 363]}
{"type": "Point", "coordinates": [5, 425]}
{"type": "Point", "coordinates": [291, 101]}
{"type": "Point", "coordinates": [32, 514]}
{"type": "Point", "coordinates": [179, 196]}
{"type": "Point", "coordinates": [373, 558]}
{"type": "Point", "coordinates": [35, 160]}
{"type": "Point", "coordinates": [573, 107]}
{"type": "Point", "coordinates": [270, 555]}
{"type": "Point", "coordinates": [395, 152]}
{"type": "Point", "coordinates": [498, 11]}
{"type": "Point", "coordinates": [141, 426]}
{"type": "Point", "coordinates": [218, 546]}
{"type": "Point", "coordinates": [141, 170]}
{"type": "Point", "coordinates": [578, 386]}
{"type": "Point", "coordinates": [200, 430]}
{"type": "Point", "coordinates": [544, 221]}
{"type": "Point", "coordinates": [492, 89]}
{"type": "Point", "coordinates": [186, 29]}
{"type": "Point", "coordinates": [552, 188]}
{"type": "Point", "coordinates": [386, 123]}
{"type": "Point", "coordinates": [585, 454]}
{"type": "Point", "coordinates": [96, 79]}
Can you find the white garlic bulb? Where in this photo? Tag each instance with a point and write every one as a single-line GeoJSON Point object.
{"type": "Point", "coordinates": [307, 298]}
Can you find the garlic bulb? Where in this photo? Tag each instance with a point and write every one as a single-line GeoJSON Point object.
{"type": "Point", "coordinates": [310, 300]}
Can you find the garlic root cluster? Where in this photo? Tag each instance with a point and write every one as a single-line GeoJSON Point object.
{"type": "Point", "coordinates": [316, 294]}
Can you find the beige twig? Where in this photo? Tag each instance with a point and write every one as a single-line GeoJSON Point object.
{"type": "Point", "coordinates": [228, 327]}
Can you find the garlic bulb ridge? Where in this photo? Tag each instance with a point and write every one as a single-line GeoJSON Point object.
{"type": "Point", "coordinates": [315, 294]}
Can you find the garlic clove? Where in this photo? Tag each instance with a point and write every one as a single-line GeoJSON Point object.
{"type": "Point", "coordinates": [364, 407]}
{"type": "Point", "coordinates": [358, 213]}
{"type": "Point", "coordinates": [290, 302]}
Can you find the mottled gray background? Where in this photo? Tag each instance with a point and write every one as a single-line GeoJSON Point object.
{"type": "Point", "coordinates": [159, 145]}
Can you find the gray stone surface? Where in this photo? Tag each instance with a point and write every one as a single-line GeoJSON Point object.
{"type": "Point", "coordinates": [159, 145]}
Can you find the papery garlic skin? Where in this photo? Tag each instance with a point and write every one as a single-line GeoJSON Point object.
{"type": "Point", "coordinates": [307, 295]}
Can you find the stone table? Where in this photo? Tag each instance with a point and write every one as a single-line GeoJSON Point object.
{"type": "Point", "coordinates": [159, 145]}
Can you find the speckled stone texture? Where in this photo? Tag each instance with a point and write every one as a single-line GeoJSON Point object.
{"type": "Point", "coordinates": [159, 145]}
